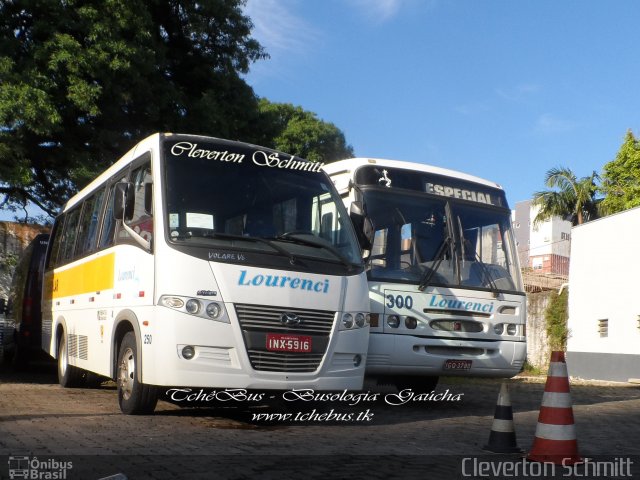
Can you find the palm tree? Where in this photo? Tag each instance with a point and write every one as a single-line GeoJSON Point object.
{"type": "Point", "coordinates": [572, 198]}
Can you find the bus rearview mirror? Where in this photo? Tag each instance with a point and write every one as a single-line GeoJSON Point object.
{"type": "Point", "coordinates": [123, 202]}
{"type": "Point", "coordinates": [363, 225]}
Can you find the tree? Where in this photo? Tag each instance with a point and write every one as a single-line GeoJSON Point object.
{"type": "Point", "coordinates": [556, 316]}
{"type": "Point", "coordinates": [82, 80]}
{"type": "Point", "coordinates": [573, 198]}
{"type": "Point", "coordinates": [621, 178]}
{"type": "Point", "coordinates": [293, 130]}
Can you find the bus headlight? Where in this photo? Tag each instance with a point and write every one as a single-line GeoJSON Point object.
{"type": "Point", "coordinates": [512, 329]}
{"type": "Point", "coordinates": [197, 307]}
{"type": "Point", "coordinates": [411, 323]}
{"type": "Point", "coordinates": [213, 310]}
{"type": "Point", "coordinates": [193, 306]}
{"type": "Point", "coordinates": [357, 360]}
{"type": "Point", "coordinates": [188, 352]}
{"type": "Point", "coordinates": [393, 321]}
{"type": "Point", "coordinates": [172, 302]}
{"type": "Point", "coordinates": [498, 328]}
{"type": "Point", "coordinates": [347, 320]}
{"type": "Point", "coordinates": [352, 320]}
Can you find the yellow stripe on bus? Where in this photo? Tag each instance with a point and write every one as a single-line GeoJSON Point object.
{"type": "Point", "coordinates": [92, 276]}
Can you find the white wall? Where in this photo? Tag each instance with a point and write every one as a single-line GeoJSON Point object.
{"type": "Point", "coordinates": [604, 279]}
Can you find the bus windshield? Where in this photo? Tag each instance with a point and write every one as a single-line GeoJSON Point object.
{"type": "Point", "coordinates": [434, 240]}
{"type": "Point", "coordinates": [253, 200]}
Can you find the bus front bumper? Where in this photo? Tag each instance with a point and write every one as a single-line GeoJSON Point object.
{"type": "Point", "coordinates": [221, 359]}
{"type": "Point", "coordinates": [391, 354]}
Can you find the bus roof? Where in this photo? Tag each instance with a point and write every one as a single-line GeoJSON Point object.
{"type": "Point", "coordinates": [352, 164]}
{"type": "Point", "coordinates": [142, 146]}
{"type": "Point", "coordinates": [112, 170]}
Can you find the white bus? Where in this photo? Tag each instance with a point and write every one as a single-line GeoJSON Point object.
{"type": "Point", "coordinates": [444, 283]}
{"type": "Point", "coordinates": [200, 262]}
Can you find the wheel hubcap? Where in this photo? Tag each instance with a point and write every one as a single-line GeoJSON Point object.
{"type": "Point", "coordinates": [62, 357]}
{"type": "Point", "coordinates": [126, 372]}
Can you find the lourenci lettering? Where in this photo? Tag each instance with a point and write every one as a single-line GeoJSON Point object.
{"type": "Point", "coordinates": [283, 281]}
{"type": "Point", "coordinates": [441, 302]}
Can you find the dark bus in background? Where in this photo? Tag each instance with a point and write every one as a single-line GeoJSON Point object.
{"type": "Point", "coordinates": [25, 297]}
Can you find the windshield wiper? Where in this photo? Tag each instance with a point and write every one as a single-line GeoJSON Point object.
{"type": "Point", "coordinates": [428, 275]}
{"type": "Point", "coordinates": [292, 237]}
{"type": "Point", "coordinates": [449, 242]}
{"type": "Point", "coordinates": [273, 245]}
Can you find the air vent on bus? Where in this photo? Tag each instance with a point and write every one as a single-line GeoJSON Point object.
{"type": "Point", "coordinates": [457, 351]}
{"type": "Point", "coordinates": [457, 326]}
{"type": "Point", "coordinates": [78, 346]}
{"type": "Point", "coordinates": [457, 313]}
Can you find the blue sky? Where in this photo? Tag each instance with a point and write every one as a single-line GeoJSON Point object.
{"type": "Point", "coordinates": [501, 89]}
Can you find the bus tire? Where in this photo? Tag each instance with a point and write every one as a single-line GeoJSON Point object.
{"type": "Point", "coordinates": [134, 397]}
{"type": "Point", "coordinates": [69, 376]}
{"type": "Point", "coordinates": [416, 384]}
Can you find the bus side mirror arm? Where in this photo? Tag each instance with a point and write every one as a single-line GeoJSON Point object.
{"type": "Point", "coordinates": [365, 230]}
{"type": "Point", "coordinates": [123, 210]}
{"type": "Point", "coordinates": [146, 244]}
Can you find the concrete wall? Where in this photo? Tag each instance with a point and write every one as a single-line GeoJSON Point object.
{"type": "Point", "coordinates": [538, 351]}
{"type": "Point", "coordinates": [14, 238]}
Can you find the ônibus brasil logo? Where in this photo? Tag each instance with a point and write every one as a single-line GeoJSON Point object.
{"type": "Point", "coordinates": [22, 466]}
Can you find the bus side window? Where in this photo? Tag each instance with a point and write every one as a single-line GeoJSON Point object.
{"type": "Point", "coordinates": [69, 236]}
{"type": "Point", "coordinates": [89, 222]}
{"type": "Point", "coordinates": [56, 241]}
{"type": "Point", "coordinates": [142, 219]}
{"type": "Point", "coordinates": [109, 223]}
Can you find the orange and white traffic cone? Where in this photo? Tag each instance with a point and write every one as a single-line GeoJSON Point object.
{"type": "Point", "coordinates": [555, 439]}
{"type": "Point", "coordinates": [502, 438]}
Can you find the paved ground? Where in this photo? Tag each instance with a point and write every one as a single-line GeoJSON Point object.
{"type": "Point", "coordinates": [323, 439]}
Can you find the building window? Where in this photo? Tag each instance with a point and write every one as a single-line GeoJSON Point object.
{"type": "Point", "coordinates": [565, 236]}
{"type": "Point", "coordinates": [603, 327]}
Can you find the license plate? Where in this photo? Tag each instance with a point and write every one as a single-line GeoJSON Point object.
{"type": "Point", "coordinates": [457, 364]}
{"type": "Point", "coordinates": [279, 342]}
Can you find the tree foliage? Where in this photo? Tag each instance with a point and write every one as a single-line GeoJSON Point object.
{"type": "Point", "coordinates": [293, 130]}
{"type": "Point", "coordinates": [556, 317]}
{"type": "Point", "coordinates": [82, 80]}
{"type": "Point", "coordinates": [621, 178]}
{"type": "Point", "coordinates": [568, 197]}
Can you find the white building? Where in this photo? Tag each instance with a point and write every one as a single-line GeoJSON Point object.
{"type": "Point", "coordinates": [604, 299]}
{"type": "Point", "coordinates": [544, 247]}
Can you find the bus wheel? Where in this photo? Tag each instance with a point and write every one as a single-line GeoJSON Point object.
{"type": "Point", "coordinates": [416, 384]}
{"type": "Point", "coordinates": [135, 398]}
{"type": "Point", "coordinates": [69, 376]}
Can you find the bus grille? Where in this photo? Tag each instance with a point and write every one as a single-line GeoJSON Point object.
{"type": "Point", "coordinates": [258, 320]}
{"type": "Point", "coordinates": [285, 361]}
{"type": "Point", "coordinates": [267, 318]}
